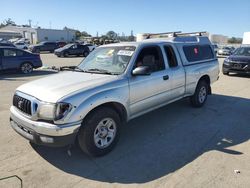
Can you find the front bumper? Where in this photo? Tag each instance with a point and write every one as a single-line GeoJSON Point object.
{"type": "Point", "coordinates": [58, 53]}
{"type": "Point", "coordinates": [43, 133]}
{"type": "Point", "coordinates": [236, 68]}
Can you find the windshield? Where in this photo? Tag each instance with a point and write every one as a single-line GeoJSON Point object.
{"type": "Point", "coordinates": [67, 45]}
{"type": "Point", "coordinates": [242, 51]}
{"type": "Point", "coordinates": [113, 60]}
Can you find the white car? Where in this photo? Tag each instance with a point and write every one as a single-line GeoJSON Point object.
{"type": "Point", "coordinates": [21, 45]}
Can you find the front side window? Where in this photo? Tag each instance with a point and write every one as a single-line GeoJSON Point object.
{"type": "Point", "coordinates": [151, 57]}
{"type": "Point", "coordinates": [198, 52]}
{"type": "Point", "coordinates": [113, 60]}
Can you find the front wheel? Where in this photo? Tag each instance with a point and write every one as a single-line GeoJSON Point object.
{"type": "Point", "coordinates": [85, 54]}
{"type": "Point", "coordinates": [200, 96]}
{"type": "Point", "coordinates": [99, 132]}
{"type": "Point", "coordinates": [225, 73]}
{"type": "Point", "coordinates": [65, 54]}
{"type": "Point", "coordinates": [26, 68]}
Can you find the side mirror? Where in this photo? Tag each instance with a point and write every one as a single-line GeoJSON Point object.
{"type": "Point", "coordinates": [141, 71]}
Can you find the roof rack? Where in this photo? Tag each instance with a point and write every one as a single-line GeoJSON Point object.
{"type": "Point", "coordinates": [175, 34]}
{"type": "Point", "coordinates": [162, 34]}
{"type": "Point", "coordinates": [199, 33]}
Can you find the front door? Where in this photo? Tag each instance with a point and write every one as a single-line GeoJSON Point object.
{"type": "Point", "coordinates": [147, 92]}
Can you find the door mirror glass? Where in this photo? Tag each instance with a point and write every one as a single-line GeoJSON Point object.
{"type": "Point", "coordinates": [141, 70]}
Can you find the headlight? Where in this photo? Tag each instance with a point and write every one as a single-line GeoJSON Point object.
{"type": "Point", "coordinates": [47, 111]}
{"type": "Point", "coordinates": [62, 109]}
{"type": "Point", "coordinates": [226, 61]}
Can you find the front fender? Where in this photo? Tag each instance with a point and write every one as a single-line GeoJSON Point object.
{"type": "Point", "coordinates": [79, 112]}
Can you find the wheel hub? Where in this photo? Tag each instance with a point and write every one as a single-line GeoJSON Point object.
{"type": "Point", "coordinates": [105, 133]}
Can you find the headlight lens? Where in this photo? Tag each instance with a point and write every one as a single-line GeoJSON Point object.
{"type": "Point", "coordinates": [47, 111]}
{"type": "Point", "coordinates": [62, 109]}
{"type": "Point", "coordinates": [227, 61]}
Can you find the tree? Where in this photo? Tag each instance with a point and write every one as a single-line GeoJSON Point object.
{"type": "Point", "coordinates": [7, 22]}
{"type": "Point", "coordinates": [111, 35]}
{"type": "Point", "coordinates": [85, 34]}
{"type": "Point", "coordinates": [78, 34]}
{"type": "Point", "coordinates": [235, 40]}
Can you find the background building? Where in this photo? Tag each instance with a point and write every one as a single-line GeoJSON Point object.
{"type": "Point", "coordinates": [246, 38]}
{"type": "Point", "coordinates": [36, 35]}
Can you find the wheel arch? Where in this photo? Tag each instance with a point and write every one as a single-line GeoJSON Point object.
{"type": "Point", "coordinates": [207, 79]}
{"type": "Point", "coordinates": [118, 107]}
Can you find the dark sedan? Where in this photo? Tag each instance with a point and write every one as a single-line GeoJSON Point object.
{"type": "Point", "coordinates": [17, 59]}
{"type": "Point", "coordinates": [44, 46]}
{"type": "Point", "coordinates": [72, 49]}
{"type": "Point", "coordinates": [238, 62]}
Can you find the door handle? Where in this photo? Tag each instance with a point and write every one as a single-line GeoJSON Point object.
{"type": "Point", "coordinates": [166, 77]}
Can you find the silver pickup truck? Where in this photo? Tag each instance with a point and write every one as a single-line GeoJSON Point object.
{"type": "Point", "coordinates": [114, 84]}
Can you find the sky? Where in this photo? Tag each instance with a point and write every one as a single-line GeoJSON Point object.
{"type": "Point", "coordinates": [227, 17]}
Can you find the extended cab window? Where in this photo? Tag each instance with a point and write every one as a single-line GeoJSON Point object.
{"type": "Point", "coordinates": [198, 52]}
{"type": "Point", "coordinates": [172, 61]}
{"type": "Point", "coordinates": [151, 57]}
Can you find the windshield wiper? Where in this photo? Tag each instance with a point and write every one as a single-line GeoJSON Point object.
{"type": "Point", "coordinates": [102, 71]}
{"type": "Point", "coordinates": [71, 68]}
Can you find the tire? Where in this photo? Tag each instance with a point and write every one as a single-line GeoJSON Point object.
{"type": "Point", "coordinates": [100, 132]}
{"type": "Point", "coordinates": [200, 96]}
{"type": "Point", "coordinates": [26, 68]}
{"type": "Point", "coordinates": [225, 73]}
{"type": "Point", "coordinates": [85, 53]}
{"type": "Point", "coordinates": [65, 54]}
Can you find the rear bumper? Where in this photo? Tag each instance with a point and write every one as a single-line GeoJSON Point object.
{"type": "Point", "coordinates": [43, 133]}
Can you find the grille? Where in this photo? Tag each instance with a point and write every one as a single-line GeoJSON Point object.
{"type": "Point", "coordinates": [22, 104]}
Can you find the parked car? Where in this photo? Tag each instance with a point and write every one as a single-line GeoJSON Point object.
{"type": "Point", "coordinates": [224, 51]}
{"type": "Point", "coordinates": [72, 49]}
{"type": "Point", "coordinates": [90, 102]}
{"type": "Point", "coordinates": [43, 46]}
{"type": "Point", "coordinates": [238, 62]}
{"type": "Point", "coordinates": [7, 44]}
{"type": "Point", "coordinates": [13, 58]}
{"type": "Point", "coordinates": [21, 45]}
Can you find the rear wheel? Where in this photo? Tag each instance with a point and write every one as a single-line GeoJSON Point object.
{"type": "Point", "coordinates": [200, 96]}
{"type": "Point", "coordinates": [26, 68]}
{"type": "Point", "coordinates": [99, 132]}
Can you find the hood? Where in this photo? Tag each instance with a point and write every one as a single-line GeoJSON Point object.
{"type": "Point", "coordinates": [245, 59]}
{"type": "Point", "coordinates": [52, 88]}
{"type": "Point", "coordinates": [60, 49]}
